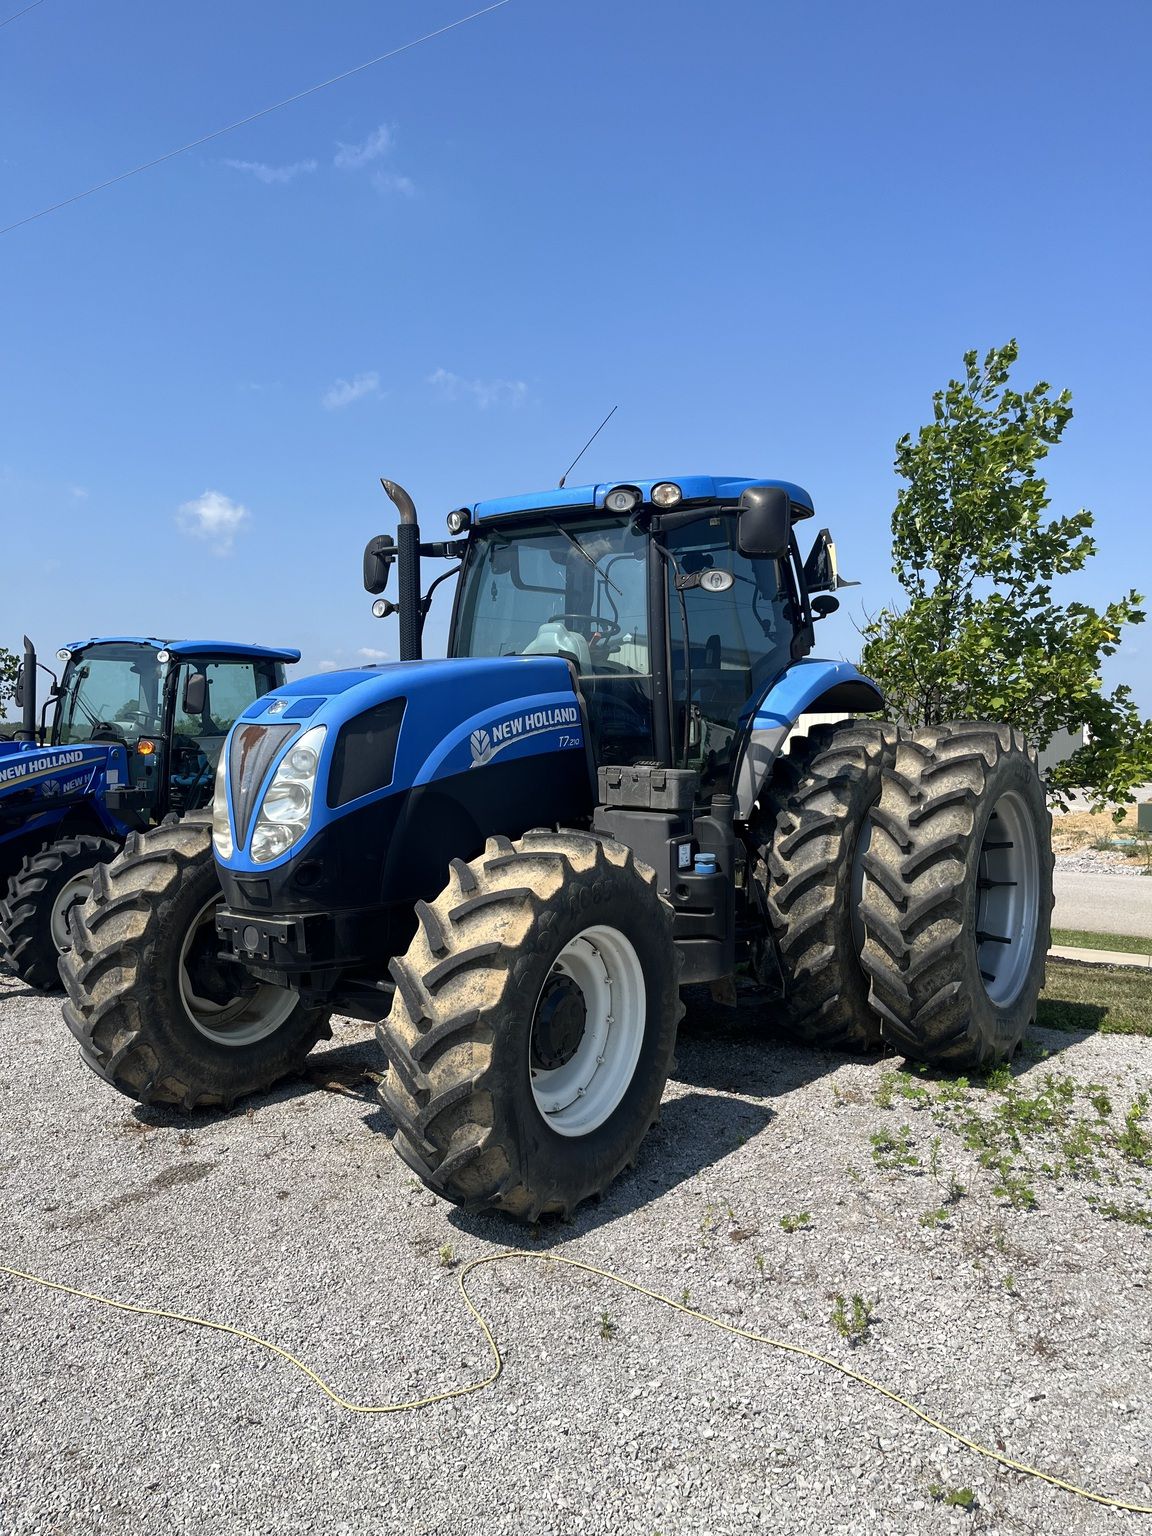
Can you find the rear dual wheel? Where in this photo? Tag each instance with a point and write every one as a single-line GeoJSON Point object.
{"type": "Point", "coordinates": [956, 904]}
{"type": "Point", "coordinates": [810, 868]}
{"type": "Point", "coordinates": [532, 1030]}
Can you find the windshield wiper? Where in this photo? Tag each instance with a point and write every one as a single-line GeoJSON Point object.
{"type": "Point", "coordinates": [575, 542]}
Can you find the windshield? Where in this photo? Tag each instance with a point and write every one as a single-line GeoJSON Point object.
{"type": "Point", "coordinates": [579, 591]}
{"type": "Point", "coordinates": [111, 688]}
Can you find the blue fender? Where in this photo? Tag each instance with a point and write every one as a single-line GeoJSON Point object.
{"type": "Point", "coordinates": [808, 685]}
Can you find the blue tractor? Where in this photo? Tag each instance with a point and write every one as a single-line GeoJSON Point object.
{"type": "Point", "coordinates": [515, 858]}
{"type": "Point", "coordinates": [137, 726]}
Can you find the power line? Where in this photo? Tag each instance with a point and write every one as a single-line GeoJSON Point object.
{"type": "Point", "coordinates": [16, 15]}
{"type": "Point", "coordinates": [244, 121]}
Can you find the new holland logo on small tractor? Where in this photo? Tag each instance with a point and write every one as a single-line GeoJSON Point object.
{"type": "Point", "coordinates": [513, 859]}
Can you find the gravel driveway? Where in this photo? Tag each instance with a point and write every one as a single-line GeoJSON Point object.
{"type": "Point", "coordinates": [291, 1216]}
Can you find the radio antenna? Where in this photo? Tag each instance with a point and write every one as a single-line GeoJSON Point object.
{"type": "Point", "coordinates": [586, 446]}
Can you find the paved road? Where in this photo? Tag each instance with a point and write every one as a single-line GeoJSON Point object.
{"type": "Point", "coordinates": [1104, 904]}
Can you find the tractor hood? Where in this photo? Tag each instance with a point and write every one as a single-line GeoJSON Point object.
{"type": "Point", "coordinates": [324, 749]}
{"type": "Point", "coordinates": [38, 785]}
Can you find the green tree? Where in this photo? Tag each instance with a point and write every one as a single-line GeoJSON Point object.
{"type": "Point", "coordinates": [8, 666]}
{"type": "Point", "coordinates": [981, 635]}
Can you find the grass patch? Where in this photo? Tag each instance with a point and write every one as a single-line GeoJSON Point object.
{"type": "Point", "coordinates": [1075, 938]}
{"type": "Point", "coordinates": [1107, 999]}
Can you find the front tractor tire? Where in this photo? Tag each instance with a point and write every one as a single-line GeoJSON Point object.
{"type": "Point", "coordinates": [157, 1013]}
{"type": "Point", "coordinates": [42, 898]}
{"type": "Point", "coordinates": [957, 899]}
{"type": "Point", "coordinates": [815, 815]}
{"type": "Point", "coordinates": [533, 1024]}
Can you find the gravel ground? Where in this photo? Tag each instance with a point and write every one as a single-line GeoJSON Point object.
{"type": "Point", "coordinates": [1097, 861]}
{"type": "Point", "coordinates": [292, 1218]}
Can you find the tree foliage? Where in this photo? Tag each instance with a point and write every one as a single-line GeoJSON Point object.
{"type": "Point", "coordinates": [981, 635]}
{"type": "Point", "coordinates": [8, 668]}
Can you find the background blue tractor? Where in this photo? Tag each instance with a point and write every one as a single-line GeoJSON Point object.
{"type": "Point", "coordinates": [137, 727]}
{"type": "Point", "coordinates": [513, 859]}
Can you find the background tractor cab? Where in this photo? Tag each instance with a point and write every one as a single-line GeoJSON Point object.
{"type": "Point", "coordinates": [137, 725]}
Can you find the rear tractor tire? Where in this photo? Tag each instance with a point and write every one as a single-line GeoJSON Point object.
{"type": "Point", "coordinates": [810, 870]}
{"type": "Point", "coordinates": [957, 899]}
{"type": "Point", "coordinates": [42, 898]}
{"type": "Point", "coordinates": [157, 1013]}
{"type": "Point", "coordinates": [532, 1029]}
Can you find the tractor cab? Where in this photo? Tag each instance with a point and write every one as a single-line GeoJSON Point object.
{"type": "Point", "coordinates": [169, 704]}
{"type": "Point", "coordinates": [673, 610]}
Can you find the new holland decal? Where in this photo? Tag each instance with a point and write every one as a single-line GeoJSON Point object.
{"type": "Point", "coordinates": [486, 742]}
{"type": "Point", "coordinates": [39, 764]}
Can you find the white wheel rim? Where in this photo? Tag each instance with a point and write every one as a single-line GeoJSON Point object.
{"type": "Point", "coordinates": [1007, 896]}
{"type": "Point", "coordinates": [577, 1097]}
{"type": "Point", "coordinates": [242, 1021]}
{"type": "Point", "coordinates": [70, 896]}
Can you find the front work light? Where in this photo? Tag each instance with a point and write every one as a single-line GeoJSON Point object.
{"type": "Point", "coordinates": [63, 655]}
{"type": "Point", "coordinates": [459, 521]}
{"type": "Point", "coordinates": [666, 494]}
{"type": "Point", "coordinates": [622, 498]}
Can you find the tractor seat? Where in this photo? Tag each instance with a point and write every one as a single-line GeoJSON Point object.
{"type": "Point", "coordinates": [556, 639]}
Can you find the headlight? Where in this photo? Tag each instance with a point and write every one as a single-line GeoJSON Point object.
{"type": "Point", "coordinates": [221, 830]}
{"type": "Point", "coordinates": [459, 520]}
{"type": "Point", "coordinates": [286, 808]}
{"type": "Point", "coordinates": [666, 494]}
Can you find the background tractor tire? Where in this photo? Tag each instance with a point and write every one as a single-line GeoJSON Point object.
{"type": "Point", "coordinates": [156, 1013]}
{"type": "Point", "coordinates": [957, 900]}
{"type": "Point", "coordinates": [532, 1029]}
{"type": "Point", "coordinates": [42, 897]}
{"type": "Point", "coordinates": [815, 816]}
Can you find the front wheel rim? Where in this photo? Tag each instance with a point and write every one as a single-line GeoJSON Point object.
{"type": "Point", "coordinates": [577, 1097]}
{"type": "Point", "coordinates": [74, 893]}
{"type": "Point", "coordinates": [1007, 899]}
{"type": "Point", "coordinates": [244, 1020]}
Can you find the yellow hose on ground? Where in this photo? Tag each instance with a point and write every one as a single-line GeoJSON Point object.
{"type": "Point", "coordinates": [516, 1254]}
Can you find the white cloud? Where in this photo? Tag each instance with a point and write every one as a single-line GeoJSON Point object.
{"type": "Point", "coordinates": [80, 492]}
{"type": "Point", "coordinates": [372, 655]}
{"type": "Point", "coordinates": [272, 175]}
{"type": "Point", "coordinates": [215, 518]}
{"type": "Point", "coordinates": [345, 391]}
{"type": "Point", "coordinates": [350, 157]}
{"type": "Point", "coordinates": [485, 392]}
{"type": "Point", "coordinates": [388, 181]}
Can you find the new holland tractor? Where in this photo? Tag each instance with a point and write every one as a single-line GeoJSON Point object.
{"type": "Point", "coordinates": [136, 730]}
{"type": "Point", "coordinates": [514, 858]}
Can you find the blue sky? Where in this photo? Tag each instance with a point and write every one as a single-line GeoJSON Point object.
{"type": "Point", "coordinates": [767, 232]}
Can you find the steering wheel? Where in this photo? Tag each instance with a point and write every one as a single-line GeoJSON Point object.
{"type": "Point", "coordinates": [106, 730]}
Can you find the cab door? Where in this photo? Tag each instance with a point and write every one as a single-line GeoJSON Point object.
{"type": "Point", "coordinates": [202, 716]}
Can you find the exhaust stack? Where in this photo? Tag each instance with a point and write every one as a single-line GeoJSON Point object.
{"type": "Point", "coordinates": [27, 699]}
{"type": "Point", "coordinates": [408, 562]}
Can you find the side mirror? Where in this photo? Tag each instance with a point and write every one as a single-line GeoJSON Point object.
{"type": "Point", "coordinates": [195, 694]}
{"type": "Point", "coordinates": [820, 569]}
{"type": "Point", "coordinates": [18, 694]}
{"type": "Point", "coordinates": [765, 527]}
{"type": "Point", "coordinates": [379, 554]}
{"type": "Point", "coordinates": [823, 606]}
